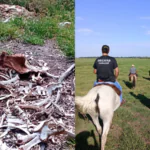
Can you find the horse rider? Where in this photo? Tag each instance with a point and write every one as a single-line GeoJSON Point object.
{"type": "Point", "coordinates": [132, 72]}
{"type": "Point", "coordinates": [104, 67]}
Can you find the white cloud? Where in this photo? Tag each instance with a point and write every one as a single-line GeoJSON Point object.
{"type": "Point", "coordinates": [148, 32]}
{"type": "Point", "coordinates": [84, 30]}
{"type": "Point", "coordinates": [87, 31]}
{"type": "Point", "coordinates": [146, 17]}
{"type": "Point", "coordinates": [144, 27]}
{"type": "Point", "coordinates": [79, 18]}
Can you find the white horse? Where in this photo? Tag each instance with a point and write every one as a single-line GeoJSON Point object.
{"type": "Point", "coordinates": [100, 101]}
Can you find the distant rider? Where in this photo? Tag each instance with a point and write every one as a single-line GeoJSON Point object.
{"type": "Point", "coordinates": [132, 71]}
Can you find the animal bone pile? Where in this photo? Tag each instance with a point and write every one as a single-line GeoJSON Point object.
{"type": "Point", "coordinates": [8, 12]}
{"type": "Point", "coordinates": [34, 112]}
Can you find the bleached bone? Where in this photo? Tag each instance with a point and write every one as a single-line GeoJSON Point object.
{"type": "Point", "coordinates": [7, 104]}
{"type": "Point", "coordinates": [3, 146]}
{"type": "Point", "coordinates": [66, 73]}
{"type": "Point", "coordinates": [4, 76]}
{"type": "Point", "coordinates": [69, 115]}
{"type": "Point", "coordinates": [26, 138]}
{"type": "Point", "coordinates": [39, 127]}
{"type": "Point", "coordinates": [58, 96]}
{"type": "Point", "coordinates": [10, 81]}
{"type": "Point", "coordinates": [52, 88]}
{"type": "Point", "coordinates": [30, 144]}
{"type": "Point", "coordinates": [2, 119]}
{"type": "Point", "coordinates": [71, 134]}
{"type": "Point", "coordinates": [43, 101]}
{"type": "Point", "coordinates": [2, 97]}
{"type": "Point", "coordinates": [5, 133]}
{"type": "Point", "coordinates": [14, 126]}
{"type": "Point", "coordinates": [44, 133]}
{"type": "Point", "coordinates": [23, 114]}
{"type": "Point", "coordinates": [50, 75]}
{"type": "Point", "coordinates": [41, 90]}
{"type": "Point", "coordinates": [59, 108]}
{"type": "Point", "coordinates": [15, 121]}
{"type": "Point", "coordinates": [49, 103]}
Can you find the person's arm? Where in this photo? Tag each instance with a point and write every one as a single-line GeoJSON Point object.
{"type": "Point", "coordinates": [116, 69]}
{"type": "Point", "coordinates": [95, 67]}
{"type": "Point", "coordinates": [116, 72]}
{"type": "Point", "coordinates": [95, 71]}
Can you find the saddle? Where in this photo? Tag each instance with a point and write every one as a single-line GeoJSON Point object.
{"type": "Point", "coordinates": [131, 75]}
{"type": "Point", "coordinates": [112, 86]}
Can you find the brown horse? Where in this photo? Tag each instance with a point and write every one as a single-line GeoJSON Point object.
{"type": "Point", "coordinates": [133, 79]}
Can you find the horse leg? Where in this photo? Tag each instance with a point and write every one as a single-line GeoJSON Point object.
{"type": "Point", "coordinates": [96, 123]}
{"type": "Point", "coordinates": [129, 78]}
{"type": "Point", "coordinates": [107, 120]}
{"type": "Point", "coordinates": [134, 81]}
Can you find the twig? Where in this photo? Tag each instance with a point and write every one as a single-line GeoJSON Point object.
{"type": "Point", "coordinates": [30, 107]}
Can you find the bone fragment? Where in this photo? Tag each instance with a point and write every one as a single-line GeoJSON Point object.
{"type": "Point", "coordinates": [30, 144]}
{"type": "Point", "coordinates": [10, 81]}
{"type": "Point", "coordinates": [14, 126]}
{"type": "Point", "coordinates": [66, 73]}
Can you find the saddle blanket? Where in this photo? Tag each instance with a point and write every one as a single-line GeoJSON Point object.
{"type": "Point", "coordinates": [116, 84]}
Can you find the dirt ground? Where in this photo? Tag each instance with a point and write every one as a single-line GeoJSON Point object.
{"type": "Point", "coordinates": [58, 63]}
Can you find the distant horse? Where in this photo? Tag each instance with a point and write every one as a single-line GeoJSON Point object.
{"type": "Point", "coordinates": [133, 79]}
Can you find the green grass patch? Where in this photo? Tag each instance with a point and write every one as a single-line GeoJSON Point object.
{"type": "Point", "coordinates": [44, 26]}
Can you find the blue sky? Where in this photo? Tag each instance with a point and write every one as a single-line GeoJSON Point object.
{"type": "Point", "coordinates": [124, 25]}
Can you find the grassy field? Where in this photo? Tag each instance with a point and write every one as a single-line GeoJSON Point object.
{"type": "Point", "coordinates": [130, 128]}
{"type": "Point", "coordinates": [44, 26]}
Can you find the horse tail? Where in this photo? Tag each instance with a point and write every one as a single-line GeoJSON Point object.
{"type": "Point", "coordinates": [96, 101]}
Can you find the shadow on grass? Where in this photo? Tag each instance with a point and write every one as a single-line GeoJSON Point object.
{"type": "Point", "coordinates": [146, 78]}
{"type": "Point", "coordinates": [128, 84]}
{"type": "Point", "coordinates": [82, 141]}
{"type": "Point", "coordinates": [143, 99]}
{"type": "Point", "coordinates": [88, 118]}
